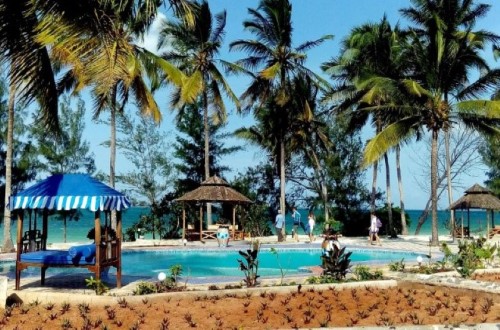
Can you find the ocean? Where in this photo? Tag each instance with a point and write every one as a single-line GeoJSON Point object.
{"type": "Point", "coordinates": [77, 230]}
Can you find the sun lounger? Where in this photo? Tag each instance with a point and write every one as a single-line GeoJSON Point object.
{"type": "Point", "coordinates": [81, 256]}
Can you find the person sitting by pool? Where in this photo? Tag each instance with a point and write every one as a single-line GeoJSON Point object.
{"type": "Point", "coordinates": [330, 243]}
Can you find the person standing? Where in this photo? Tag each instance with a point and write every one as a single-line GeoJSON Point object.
{"type": "Point", "coordinates": [375, 224]}
{"type": "Point", "coordinates": [296, 223]}
{"type": "Point", "coordinates": [311, 222]}
{"type": "Point", "coordinates": [279, 223]}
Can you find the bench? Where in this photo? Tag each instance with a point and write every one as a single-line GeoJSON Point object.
{"type": "Point", "coordinates": [458, 232]}
{"type": "Point", "coordinates": [81, 256]}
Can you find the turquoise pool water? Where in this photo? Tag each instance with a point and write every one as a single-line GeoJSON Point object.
{"type": "Point", "coordinates": [221, 263]}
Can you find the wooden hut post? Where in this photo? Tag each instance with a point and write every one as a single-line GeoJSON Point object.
{"type": "Point", "coordinates": [45, 228]}
{"type": "Point", "coordinates": [234, 221]}
{"type": "Point", "coordinates": [183, 222]}
{"type": "Point", "coordinates": [118, 249]}
{"type": "Point", "coordinates": [201, 222]}
{"type": "Point", "coordinates": [97, 240]}
{"type": "Point", "coordinates": [20, 218]}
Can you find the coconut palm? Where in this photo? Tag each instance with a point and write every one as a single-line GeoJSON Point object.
{"type": "Point", "coordinates": [275, 62]}
{"type": "Point", "coordinates": [370, 60]}
{"type": "Point", "coordinates": [444, 52]}
{"type": "Point", "coordinates": [96, 40]}
{"type": "Point", "coordinates": [195, 50]}
{"type": "Point", "coordinates": [30, 76]}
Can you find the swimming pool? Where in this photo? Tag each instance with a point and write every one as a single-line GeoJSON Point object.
{"type": "Point", "coordinates": [223, 263]}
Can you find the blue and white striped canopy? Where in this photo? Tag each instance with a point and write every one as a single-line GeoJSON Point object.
{"type": "Point", "coordinates": [68, 192]}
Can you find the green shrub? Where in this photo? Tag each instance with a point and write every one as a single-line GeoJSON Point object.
{"type": "Point", "coordinates": [363, 273]}
{"type": "Point", "coordinates": [336, 263]}
{"type": "Point", "coordinates": [397, 266]}
{"type": "Point", "coordinates": [145, 288]}
{"type": "Point", "coordinates": [97, 285]}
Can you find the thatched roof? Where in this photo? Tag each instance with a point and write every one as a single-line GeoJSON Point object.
{"type": "Point", "coordinates": [477, 197]}
{"type": "Point", "coordinates": [214, 190]}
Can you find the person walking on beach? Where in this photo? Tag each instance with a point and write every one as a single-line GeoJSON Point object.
{"type": "Point", "coordinates": [375, 224]}
{"type": "Point", "coordinates": [296, 224]}
{"type": "Point", "coordinates": [311, 222]}
{"type": "Point", "coordinates": [279, 223]}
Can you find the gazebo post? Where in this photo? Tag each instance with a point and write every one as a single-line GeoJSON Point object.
{"type": "Point", "coordinates": [183, 222]}
{"type": "Point", "coordinates": [20, 217]}
{"type": "Point", "coordinates": [119, 249]}
{"type": "Point", "coordinates": [234, 221]}
{"type": "Point", "coordinates": [201, 222]}
{"type": "Point", "coordinates": [45, 228]}
{"type": "Point", "coordinates": [468, 221]}
{"type": "Point", "coordinates": [97, 240]}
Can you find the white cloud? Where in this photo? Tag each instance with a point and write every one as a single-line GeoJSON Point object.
{"type": "Point", "coordinates": [150, 39]}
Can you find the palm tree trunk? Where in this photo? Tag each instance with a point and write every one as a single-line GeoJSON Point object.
{"type": "Point", "coordinates": [8, 246]}
{"type": "Point", "coordinates": [318, 169]}
{"type": "Point", "coordinates": [282, 181]}
{"type": "Point", "coordinates": [448, 177]}
{"type": "Point", "coordinates": [404, 229]}
{"type": "Point", "coordinates": [207, 151]}
{"type": "Point", "coordinates": [392, 231]}
{"type": "Point", "coordinates": [112, 150]}
{"type": "Point", "coordinates": [434, 170]}
{"type": "Point", "coordinates": [374, 187]}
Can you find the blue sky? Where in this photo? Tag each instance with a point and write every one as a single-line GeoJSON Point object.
{"type": "Point", "coordinates": [312, 19]}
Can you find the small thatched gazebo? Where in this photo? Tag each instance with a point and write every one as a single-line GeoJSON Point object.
{"type": "Point", "coordinates": [212, 190]}
{"type": "Point", "coordinates": [478, 197]}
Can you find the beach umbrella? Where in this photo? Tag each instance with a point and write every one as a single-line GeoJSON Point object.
{"type": "Point", "coordinates": [212, 190]}
{"type": "Point", "coordinates": [64, 192]}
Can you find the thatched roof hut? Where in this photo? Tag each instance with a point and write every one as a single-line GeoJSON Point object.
{"type": "Point", "coordinates": [478, 197]}
{"type": "Point", "coordinates": [212, 190]}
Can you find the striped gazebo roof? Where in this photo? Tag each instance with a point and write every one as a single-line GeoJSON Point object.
{"type": "Point", "coordinates": [68, 192]}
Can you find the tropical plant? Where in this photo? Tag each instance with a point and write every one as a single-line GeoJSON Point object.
{"type": "Point", "coordinates": [67, 151]}
{"type": "Point", "coordinates": [95, 40]}
{"type": "Point", "coordinates": [250, 267]}
{"type": "Point", "coordinates": [444, 49]}
{"type": "Point", "coordinates": [273, 62]}
{"type": "Point", "coordinates": [195, 50]}
{"type": "Point", "coordinates": [97, 285]}
{"type": "Point", "coordinates": [371, 57]}
{"type": "Point", "coordinates": [30, 77]}
{"type": "Point", "coordinates": [363, 273]}
{"type": "Point", "coordinates": [336, 263]}
{"type": "Point", "coordinates": [147, 149]}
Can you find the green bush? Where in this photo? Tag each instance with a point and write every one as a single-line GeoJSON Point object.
{"type": "Point", "coordinates": [397, 266]}
{"type": "Point", "coordinates": [363, 273]}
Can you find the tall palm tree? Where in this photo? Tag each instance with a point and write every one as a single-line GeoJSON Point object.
{"type": "Point", "coordinates": [444, 53]}
{"type": "Point", "coordinates": [275, 62]}
{"type": "Point", "coordinates": [96, 40]}
{"type": "Point", "coordinates": [195, 50]}
{"type": "Point", "coordinates": [369, 52]}
{"type": "Point", "coordinates": [447, 29]}
{"type": "Point", "coordinates": [30, 76]}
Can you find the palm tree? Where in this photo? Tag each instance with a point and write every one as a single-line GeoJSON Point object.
{"type": "Point", "coordinates": [444, 52]}
{"type": "Point", "coordinates": [31, 76]}
{"type": "Point", "coordinates": [195, 50]}
{"type": "Point", "coordinates": [276, 62]}
{"type": "Point", "coordinates": [96, 40]}
{"type": "Point", "coordinates": [371, 51]}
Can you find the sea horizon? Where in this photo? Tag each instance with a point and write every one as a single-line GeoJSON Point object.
{"type": "Point", "coordinates": [77, 230]}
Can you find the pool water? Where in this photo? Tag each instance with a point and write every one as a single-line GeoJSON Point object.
{"type": "Point", "coordinates": [208, 263]}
